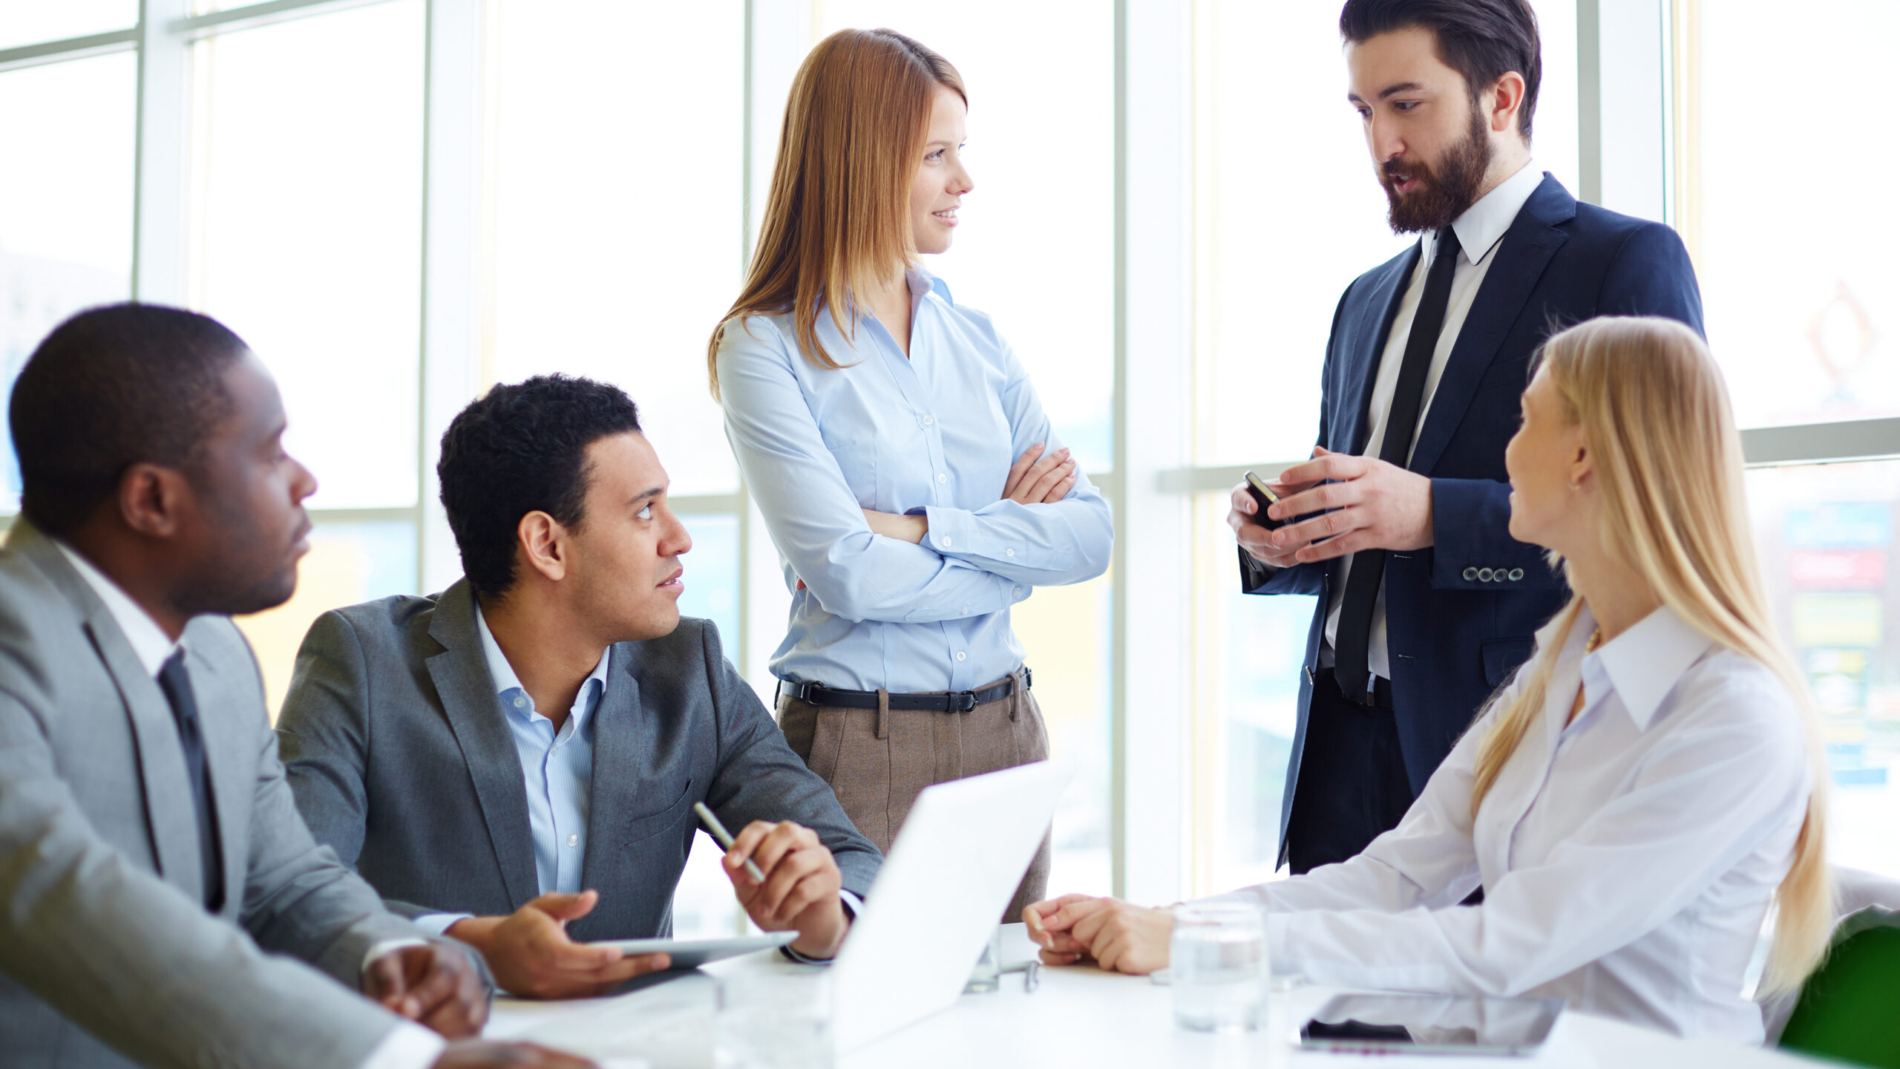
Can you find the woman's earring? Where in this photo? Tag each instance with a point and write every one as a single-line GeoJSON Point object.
{"type": "Point", "coordinates": [1576, 486]}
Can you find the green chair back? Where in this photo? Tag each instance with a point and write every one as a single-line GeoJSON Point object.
{"type": "Point", "coordinates": [1849, 1010]}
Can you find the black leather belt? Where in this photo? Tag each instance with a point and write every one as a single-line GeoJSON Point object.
{"type": "Point", "coordinates": [956, 701]}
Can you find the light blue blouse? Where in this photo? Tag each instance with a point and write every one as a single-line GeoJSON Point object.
{"type": "Point", "coordinates": [936, 432]}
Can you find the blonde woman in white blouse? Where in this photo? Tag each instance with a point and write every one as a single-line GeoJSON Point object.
{"type": "Point", "coordinates": [1637, 800]}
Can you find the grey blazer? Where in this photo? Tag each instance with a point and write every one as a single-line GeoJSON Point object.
{"type": "Point", "coordinates": [107, 956]}
{"type": "Point", "coordinates": [401, 759]}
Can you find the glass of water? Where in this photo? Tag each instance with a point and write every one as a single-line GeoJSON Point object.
{"type": "Point", "coordinates": [1218, 961]}
{"type": "Point", "coordinates": [773, 1019]}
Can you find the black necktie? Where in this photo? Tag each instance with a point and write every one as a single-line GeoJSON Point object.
{"type": "Point", "coordinates": [1354, 637]}
{"type": "Point", "coordinates": [176, 683]}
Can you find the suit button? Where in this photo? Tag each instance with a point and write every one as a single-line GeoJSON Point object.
{"type": "Point", "coordinates": [1484, 575]}
{"type": "Point", "coordinates": [1516, 574]}
{"type": "Point", "coordinates": [1470, 574]}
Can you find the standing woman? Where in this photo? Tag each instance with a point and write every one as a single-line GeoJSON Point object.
{"type": "Point", "coordinates": [876, 421]}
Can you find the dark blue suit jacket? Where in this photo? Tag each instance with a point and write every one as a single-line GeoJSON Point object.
{"type": "Point", "coordinates": [1454, 637]}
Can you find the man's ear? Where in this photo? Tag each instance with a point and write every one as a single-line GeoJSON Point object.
{"type": "Point", "coordinates": [152, 499]}
{"type": "Point", "coordinates": [542, 543]}
{"type": "Point", "coordinates": [1503, 101]}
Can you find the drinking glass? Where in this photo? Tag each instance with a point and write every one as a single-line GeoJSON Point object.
{"type": "Point", "coordinates": [1218, 960]}
{"type": "Point", "coordinates": [987, 976]}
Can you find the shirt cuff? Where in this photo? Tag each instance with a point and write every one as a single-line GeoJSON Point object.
{"type": "Point", "coordinates": [407, 1046]}
{"type": "Point", "coordinates": [389, 946]}
{"type": "Point", "coordinates": [439, 923]}
{"type": "Point", "coordinates": [853, 905]}
{"type": "Point", "coordinates": [952, 532]}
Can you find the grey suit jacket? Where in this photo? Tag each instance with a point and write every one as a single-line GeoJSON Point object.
{"type": "Point", "coordinates": [107, 956]}
{"type": "Point", "coordinates": [402, 760]}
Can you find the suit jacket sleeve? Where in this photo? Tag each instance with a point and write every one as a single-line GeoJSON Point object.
{"type": "Point", "coordinates": [323, 735]}
{"type": "Point", "coordinates": [131, 959]}
{"type": "Point", "coordinates": [1650, 276]}
{"type": "Point", "coordinates": [760, 778]}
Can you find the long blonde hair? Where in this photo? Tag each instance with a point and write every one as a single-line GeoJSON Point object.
{"type": "Point", "coordinates": [1668, 462]}
{"type": "Point", "coordinates": [838, 215]}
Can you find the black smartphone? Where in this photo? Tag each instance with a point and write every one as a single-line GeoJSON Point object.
{"type": "Point", "coordinates": [1263, 496]}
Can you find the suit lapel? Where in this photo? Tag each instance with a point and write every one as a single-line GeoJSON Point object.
{"type": "Point", "coordinates": [621, 735]}
{"type": "Point", "coordinates": [232, 770]}
{"type": "Point", "coordinates": [1526, 251]}
{"type": "Point", "coordinates": [171, 812]}
{"type": "Point", "coordinates": [474, 713]}
{"type": "Point", "coordinates": [1362, 372]}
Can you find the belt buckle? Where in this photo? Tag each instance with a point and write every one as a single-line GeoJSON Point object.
{"type": "Point", "coordinates": [963, 701]}
{"type": "Point", "coordinates": [1027, 678]}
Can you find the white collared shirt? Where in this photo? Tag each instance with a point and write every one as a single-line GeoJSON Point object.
{"type": "Point", "coordinates": [1480, 231]}
{"type": "Point", "coordinates": [1627, 859]}
{"type": "Point", "coordinates": [408, 1045]}
{"type": "Point", "coordinates": [148, 640]}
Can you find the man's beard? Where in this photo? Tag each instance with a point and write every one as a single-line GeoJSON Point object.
{"type": "Point", "coordinates": [1444, 192]}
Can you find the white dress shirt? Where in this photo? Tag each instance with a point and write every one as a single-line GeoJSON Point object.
{"type": "Point", "coordinates": [1628, 859]}
{"type": "Point", "coordinates": [1480, 231]}
{"type": "Point", "coordinates": [408, 1045]}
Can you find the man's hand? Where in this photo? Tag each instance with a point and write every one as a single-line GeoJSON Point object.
{"type": "Point", "coordinates": [532, 956]}
{"type": "Point", "coordinates": [1040, 480]}
{"type": "Point", "coordinates": [434, 985]}
{"type": "Point", "coordinates": [475, 1054]}
{"type": "Point", "coordinates": [1373, 505]}
{"type": "Point", "coordinates": [801, 885]}
{"type": "Point", "coordinates": [1120, 937]}
{"type": "Point", "coordinates": [1259, 542]}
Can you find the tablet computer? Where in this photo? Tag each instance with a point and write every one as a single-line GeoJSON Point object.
{"type": "Point", "coordinates": [1430, 1024]}
{"type": "Point", "coordinates": [692, 953]}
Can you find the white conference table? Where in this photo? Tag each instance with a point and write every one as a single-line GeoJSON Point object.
{"type": "Point", "coordinates": [1079, 1016]}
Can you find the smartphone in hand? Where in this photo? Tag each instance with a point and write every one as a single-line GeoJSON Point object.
{"type": "Point", "coordinates": [1263, 496]}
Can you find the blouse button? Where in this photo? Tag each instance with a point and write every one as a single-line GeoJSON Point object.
{"type": "Point", "coordinates": [573, 840]}
{"type": "Point", "coordinates": [942, 478]}
{"type": "Point", "coordinates": [944, 541]}
{"type": "Point", "coordinates": [928, 420]}
{"type": "Point", "coordinates": [1009, 553]}
{"type": "Point", "coordinates": [966, 610]}
{"type": "Point", "coordinates": [960, 655]}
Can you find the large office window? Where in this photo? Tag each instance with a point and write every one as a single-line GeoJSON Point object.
{"type": "Point", "coordinates": [305, 237]}
{"type": "Point", "coordinates": [1791, 239]}
{"type": "Point", "coordinates": [66, 132]}
{"type": "Point", "coordinates": [1803, 305]}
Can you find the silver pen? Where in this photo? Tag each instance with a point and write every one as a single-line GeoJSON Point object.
{"type": "Point", "coordinates": [724, 837]}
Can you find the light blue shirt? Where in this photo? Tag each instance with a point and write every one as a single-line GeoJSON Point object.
{"type": "Point", "coordinates": [557, 769]}
{"type": "Point", "coordinates": [936, 432]}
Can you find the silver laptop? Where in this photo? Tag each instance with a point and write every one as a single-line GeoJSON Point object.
{"type": "Point", "coordinates": [955, 865]}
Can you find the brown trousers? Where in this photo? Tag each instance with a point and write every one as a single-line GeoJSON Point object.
{"type": "Point", "coordinates": [878, 760]}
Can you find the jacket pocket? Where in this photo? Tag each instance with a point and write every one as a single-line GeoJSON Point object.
{"type": "Point", "coordinates": [646, 827]}
{"type": "Point", "coordinates": [1502, 656]}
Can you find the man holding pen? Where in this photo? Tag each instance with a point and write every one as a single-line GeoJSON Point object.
{"type": "Point", "coordinates": [516, 761]}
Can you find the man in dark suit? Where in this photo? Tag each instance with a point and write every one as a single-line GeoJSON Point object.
{"type": "Point", "coordinates": [161, 902]}
{"type": "Point", "coordinates": [515, 760]}
{"type": "Point", "coordinates": [1399, 523]}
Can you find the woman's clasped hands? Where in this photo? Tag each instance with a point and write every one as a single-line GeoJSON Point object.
{"type": "Point", "coordinates": [1117, 936]}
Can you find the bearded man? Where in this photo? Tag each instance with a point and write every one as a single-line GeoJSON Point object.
{"type": "Point", "coordinates": [1398, 524]}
